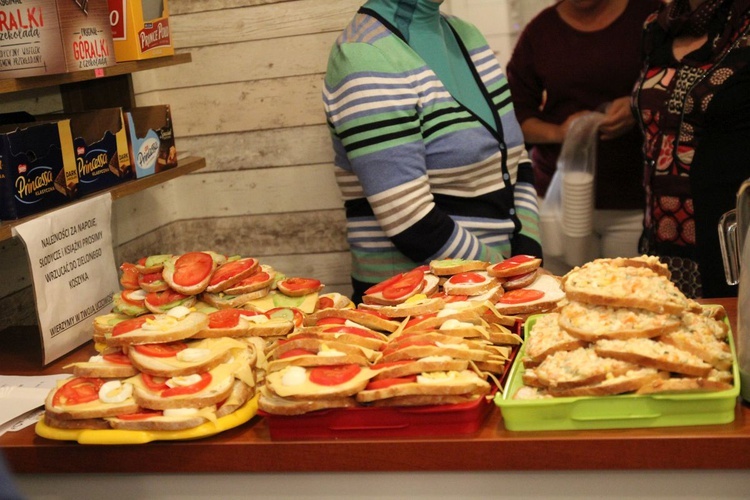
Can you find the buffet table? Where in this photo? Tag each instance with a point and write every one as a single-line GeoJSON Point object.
{"type": "Point", "coordinates": [249, 448]}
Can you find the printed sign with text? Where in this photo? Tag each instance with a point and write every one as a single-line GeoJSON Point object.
{"type": "Point", "coordinates": [73, 271]}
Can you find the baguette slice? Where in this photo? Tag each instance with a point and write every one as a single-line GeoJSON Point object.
{"type": "Point", "coordinates": [111, 363]}
{"type": "Point", "coordinates": [263, 278]}
{"type": "Point", "coordinates": [191, 272]}
{"type": "Point", "coordinates": [545, 294]}
{"type": "Point", "coordinates": [221, 383]}
{"type": "Point", "coordinates": [190, 357]}
{"type": "Point", "coordinates": [654, 354]}
{"type": "Point", "coordinates": [294, 382]}
{"type": "Point", "coordinates": [60, 405]}
{"type": "Point", "coordinates": [630, 381]}
{"type": "Point", "coordinates": [368, 318]}
{"type": "Point", "coordinates": [582, 366]}
{"type": "Point", "coordinates": [683, 384]}
{"type": "Point", "coordinates": [591, 322]}
{"type": "Point", "coordinates": [230, 273]}
{"type": "Point", "coordinates": [546, 337]}
{"type": "Point", "coordinates": [152, 263]}
{"type": "Point", "coordinates": [451, 383]}
{"type": "Point", "coordinates": [75, 424]}
{"type": "Point", "coordinates": [624, 286]}
{"type": "Point", "coordinates": [514, 266]}
{"type": "Point", "coordinates": [469, 283]}
{"type": "Point", "coordinates": [156, 328]}
{"type": "Point", "coordinates": [449, 267]}
{"type": "Point", "coordinates": [222, 300]}
{"type": "Point", "coordinates": [414, 307]}
{"type": "Point", "coordinates": [276, 405]}
{"type": "Point", "coordinates": [415, 367]}
{"type": "Point", "coordinates": [696, 336]}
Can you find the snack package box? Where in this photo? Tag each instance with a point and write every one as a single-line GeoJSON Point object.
{"type": "Point", "coordinates": [151, 139]}
{"type": "Point", "coordinates": [43, 37]}
{"type": "Point", "coordinates": [100, 146]}
{"type": "Point", "coordinates": [140, 29]}
{"type": "Point", "coordinates": [37, 168]}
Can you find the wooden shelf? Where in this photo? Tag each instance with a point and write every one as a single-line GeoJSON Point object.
{"type": "Point", "coordinates": [185, 166]}
{"type": "Point", "coordinates": [123, 68]}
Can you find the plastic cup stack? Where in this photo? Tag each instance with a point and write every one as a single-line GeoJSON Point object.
{"type": "Point", "coordinates": [578, 217]}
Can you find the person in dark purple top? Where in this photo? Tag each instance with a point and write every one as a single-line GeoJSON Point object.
{"type": "Point", "coordinates": [579, 56]}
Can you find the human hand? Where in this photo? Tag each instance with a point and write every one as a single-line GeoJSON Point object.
{"type": "Point", "coordinates": [565, 126]}
{"type": "Point", "coordinates": [618, 119]}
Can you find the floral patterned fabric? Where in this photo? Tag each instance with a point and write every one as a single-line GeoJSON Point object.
{"type": "Point", "coordinates": [672, 99]}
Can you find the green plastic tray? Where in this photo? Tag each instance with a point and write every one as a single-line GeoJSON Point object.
{"type": "Point", "coordinates": [614, 412]}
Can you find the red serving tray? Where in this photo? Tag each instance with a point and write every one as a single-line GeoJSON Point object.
{"type": "Point", "coordinates": [381, 422]}
{"type": "Point", "coordinates": [387, 422]}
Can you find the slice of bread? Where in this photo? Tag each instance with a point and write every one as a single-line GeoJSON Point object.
{"type": "Point", "coordinates": [653, 354]}
{"type": "Point", "coordinates": [624, 286]}
{"type": "Point", "coordinates": [159, 328]}
{"type": "Point", "coordinates": [415, 307]}
{"type": "Point", "coordinates": [514, 266]}
{"type": "Point", "coordinates": [294, 382]}
{"type": "Point", "coordinates": [193, 356]}
{"type": "Point", "coordinates": [369, 318]}
{"type": "Point", "coordinates": [190, 272]}
{"type": "Point", "coordinates": [449, 267]}
{"type": "Point", "coordinates": [546, 294]}
{"type": "Point", "coordinates": [469, 283]}
{"type": "Point", "coordinates": [579, 367]}
{"type": "Point", "coordinates": [591, 322]}
{"type": "Point", "coordinates": [683, 384]}
{"type": "Point", "coordinates": [448, 383]}
{"type": "Point", "coordinates": [276, 405]}
{"type": "Point", "coordinates": [701, 342]}
{"type": "Point", "coordinates": [546, 337]}
{"type": "Point", "coordinates": [60, 405]}
{"type": "Point", "coordinates": [630, 381]}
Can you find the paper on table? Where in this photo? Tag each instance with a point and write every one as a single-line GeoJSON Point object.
{"type": "Point", "coordinates": [19, 395]}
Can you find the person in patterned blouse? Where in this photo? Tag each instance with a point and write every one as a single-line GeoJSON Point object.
{"type": "Point", "coordinates": [429, 156]}
{"type": "Point", "coordinates": [693, 104]}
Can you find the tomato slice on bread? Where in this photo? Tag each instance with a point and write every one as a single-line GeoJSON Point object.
{"type": "Point", "coordinates": [183, 390]}
{"type": "Point", "coordinates": [192, 268]}
{"type": "Point", "coordinates": [520, 296]}
{"type": "Point", "coordinates": [226, 318]}
{"type": "Point", "coordinates": [129, 325]}
{"type": "Point", "coordinates": [333, 374]}
{"type": "Point", "coordinates": [233, 268]}
{"type": "Point", "coordinates": [468, 277]}
{"type": "Point", "coordinates": [297, 286]}
{"type": "Point", "coordinates": [384, 383]}
{"type": "Point", "coordinates": [117, 358]}
{"type": "Point", "coordinates": [399, 286]}
{"type": "Point", "coordinates": [129, 276]}
{"type": "Point", "coordinates": [77, 391]}
{"type": "Point", "coordinates": [161, 350]}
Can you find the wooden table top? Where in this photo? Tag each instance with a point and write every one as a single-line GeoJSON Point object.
{"type": "Point", "coordinates": [250, 448]}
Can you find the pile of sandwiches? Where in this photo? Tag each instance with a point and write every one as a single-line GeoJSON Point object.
{"type": "Point", "coordinates": [196, 336]}
{"type": "Point", "coordinates": [179, 349]}
{"type": "Point", "coordinates": [437, 334]}
{"type": "Point", "coordinates": [624, 327]}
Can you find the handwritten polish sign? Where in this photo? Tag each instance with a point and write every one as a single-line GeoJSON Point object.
{"type": "Point", "coordinates": [73, 271]}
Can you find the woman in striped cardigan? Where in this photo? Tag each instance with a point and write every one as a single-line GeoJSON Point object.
{"type": "Point", "coordinates": [429, 156]}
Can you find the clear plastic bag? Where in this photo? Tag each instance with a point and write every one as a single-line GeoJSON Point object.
{"type": "Point", "coordinates": [567, 211]}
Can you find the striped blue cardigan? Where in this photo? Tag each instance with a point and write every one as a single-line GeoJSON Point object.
{"type": "Point", "coordinates": [421, 176]}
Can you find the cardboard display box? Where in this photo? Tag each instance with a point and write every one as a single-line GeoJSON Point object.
{"type": "Point", "coordinates": [37, 169]}
{"type": "Point", "coordinates": [151, 139]}
{"type": "Point", "coordinates": [43, 37]}
{"type": "Point", "coordinates": [100, 148]}
{"type": "Point", "coordinates": [140, 29]}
